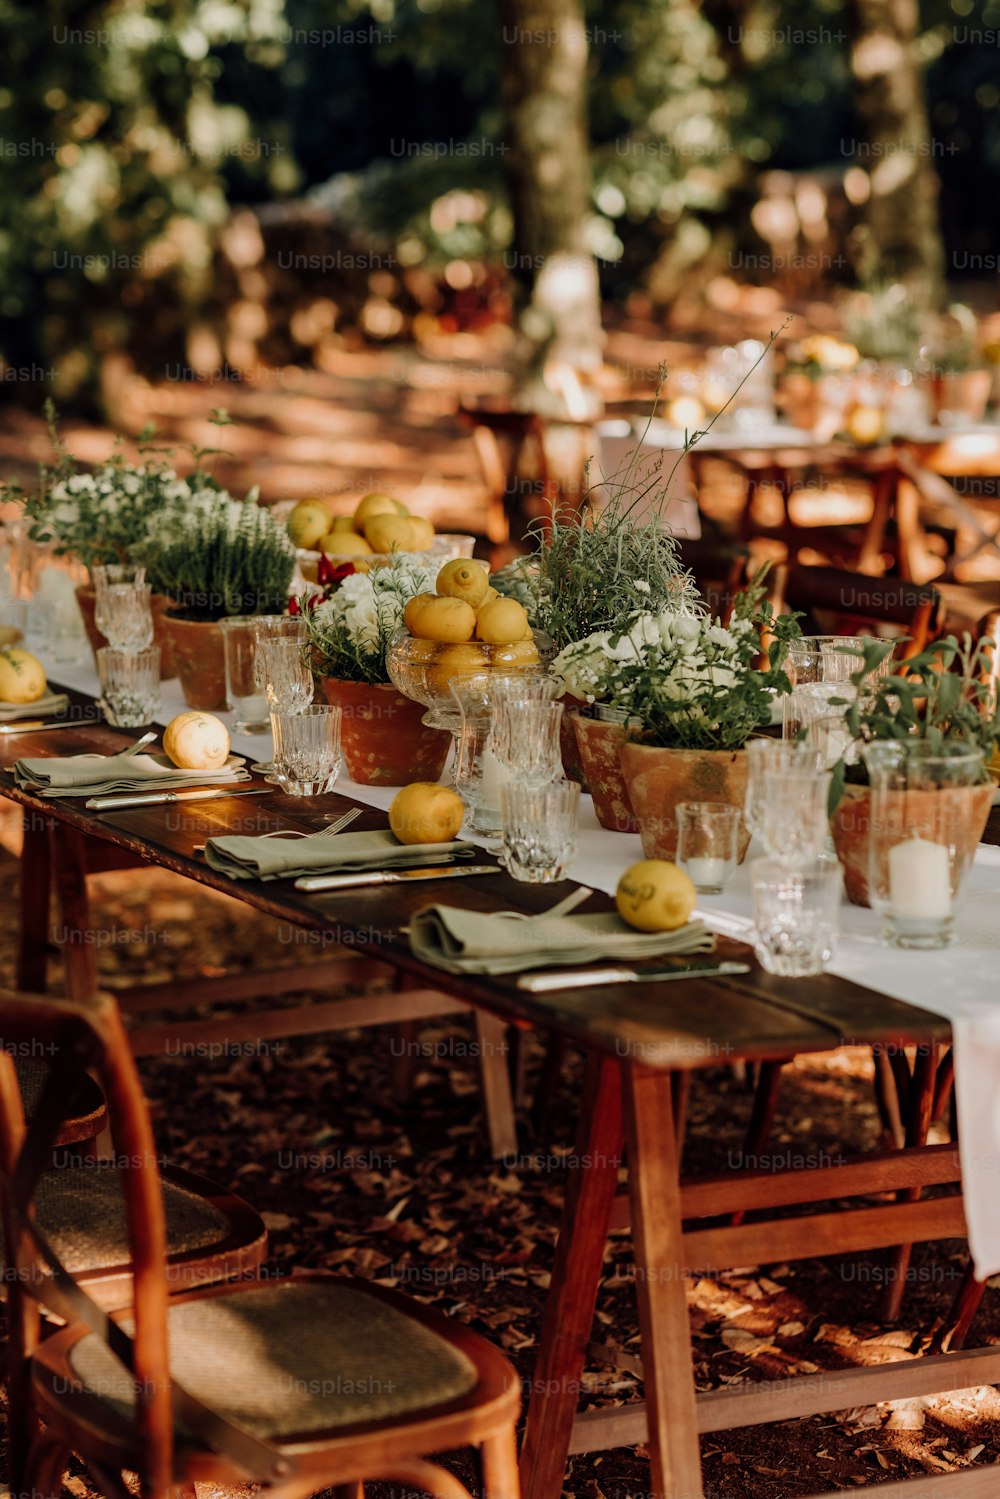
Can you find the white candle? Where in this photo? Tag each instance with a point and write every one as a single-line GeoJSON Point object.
{"type": "Point", "coordinates": [489, 786]}
{"type": "Point", "coordinates": [920, 880]}
{"type": "Point", "coordinates": [707, 873]}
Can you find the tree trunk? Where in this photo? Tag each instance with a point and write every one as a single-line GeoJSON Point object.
{"type": "Point", "coordinates": [902, 231]}
{"type": "Point", "coordinates": [548, 170]}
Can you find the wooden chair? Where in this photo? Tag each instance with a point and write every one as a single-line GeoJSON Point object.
{"type": "Point", "coordinates": [55, 856]}
{"type": "Point", "coordinates": [299, 1385]}
{"type": "Point", "coordinates": [836, 602]}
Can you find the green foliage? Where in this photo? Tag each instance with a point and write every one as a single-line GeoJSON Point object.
{"type": "Point", "coordinates": [228, 558]}
{"type": "Point", "coordinates": [351, 628]}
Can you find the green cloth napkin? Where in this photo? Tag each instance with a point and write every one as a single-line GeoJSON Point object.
{"type": "Point", "coordinates": [43, 707]}
{"type": "Point", "coordinates": [266, 858]}
{"type": "Point", "coordinates": [101, 775]}
{"type": "Point", "coordinates": [507, 942]}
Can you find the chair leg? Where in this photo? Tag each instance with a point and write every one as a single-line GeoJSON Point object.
{"type": "Point", "coordinates": [348, 1491]}
{"type": "Point", "coordinates": [494, 1080]}
{"type": "Point", "coordinates": [548, 1084]}
{"type": "Point", "coordinates": [500, 1480]}
{"type": "Point", "coordinates": [963, 1310]}
{"type": "Point", "coordinates": [78, 950]}
{"type": "Point", "coordinates": [887, 1098]}
{"type": "Point", "coordinates": [765, 1103]}
{"type": "Point", "coordinates": [47, 1462]}
{"type": "Point", "coordinates": [919, 1115]}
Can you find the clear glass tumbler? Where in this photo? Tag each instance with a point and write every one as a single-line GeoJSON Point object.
{"type": "Point", "coordinates": [708, 837]}
{"type": "Point", "coordinates": [127, 616]}
{"type": "Point", "coordinates": [245, 697]}
{"type": "Point", "coordinates": [477, 773]}
{"type": "Point", "coordinates": [525, 740]}
{"type": "Point", "coordinates": [796, 915]}
{"type": "Point", "coordinates": [130, 685]}
{"type": "Point", "coordinates": [540, 830]}
{"type": "Point", "coordinates": [786, 801]}
{"type": "Point", "coordinates": [307, 753]}
{"type": "Point", "coordinates": [112, 575]}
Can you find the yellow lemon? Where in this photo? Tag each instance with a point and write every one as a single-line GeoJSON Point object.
{"type": "Point", "coordinates": [502, 622]}
{"type": "Point", "coordinates": [413, 608]}
{"type": "Point", "coordinates": [374, 504]}
{"type": "Point", "coordinates": [464, 579]}
{"type": "Point", "coordinates": [450, 620]}
{"type": "Point", "coordinates": [455, 661]}
{"type": "Point", "coordinates": [308, 522]}
{"type": "Point", "coordinates": [196, 741]}
{"type": "Point", "coordinates": [522, 653]}
{"type": "Point", "coordinates": [425, 812]}
{"type": "Point", "coordinates": [655, 896]}
{"type": "Point", "coordinates": [421, 533]}
{"type": "Point", "coordinates": [866, 425]}
{"type": "Point", "coordinates": [22, 676]}
{"type": "Point", "coordinates": [343, 523]}
{"type": "Point", "coordinates": [490, 597]}
{"type": "Point", "coordinates": [383, 532]}
{"type": "Point", "coordinates": [344, 544]}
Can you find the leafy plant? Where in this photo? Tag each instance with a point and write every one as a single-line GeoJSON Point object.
{"type": "Point", "coordinates": [943, 697]}
{"type": "Point", "coordinates": [350, 629]}
{"type": "Point", "coordinates": [229, 558]}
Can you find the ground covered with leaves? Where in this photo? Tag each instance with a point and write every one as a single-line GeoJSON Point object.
{"type": "Point", "coordinates": [353, 1177]}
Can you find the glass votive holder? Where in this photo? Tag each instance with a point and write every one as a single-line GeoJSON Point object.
{"type": "Point", "coordinates": [130, 685]}
{"type": "Point", "coordinates": [925, 818]}
{"type": "Point", "coordinates": [539, 830]}
{"type": "Point", "coordinates": [708, 836]}
{"type": "Point", "coordinates": [127, 617]}
{"type": "Point", "coordinates": [307, 755]}
{"type": "Point", "coordinates": [243, 693]}
{"type": "Point", "coordinates": [796, 915]}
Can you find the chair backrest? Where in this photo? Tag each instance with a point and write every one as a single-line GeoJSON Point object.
{"type": "Point", "coordinates": [837, 602]}
{"type": "Point", "coordinates": [719, 569]}
{"type": "Point", "coordinates": [74, 1037]}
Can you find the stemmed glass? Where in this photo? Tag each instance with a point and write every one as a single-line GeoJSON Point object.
{"type": "Point", "coordinates": [112, 575]}
{"type": "Point", "coordinates": [126, 616]}
{"type": "Point", "coordinates": [787, 792]}
{"type": "Point", "coordinates": [281, 669]}
{"type": "Point", "coordinates": [525, 740]}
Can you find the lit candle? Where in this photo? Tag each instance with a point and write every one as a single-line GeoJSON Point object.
{"type": "Point", "coordinates": [707, 873]}
{"type": "Point", "coordinates": [920, 880]}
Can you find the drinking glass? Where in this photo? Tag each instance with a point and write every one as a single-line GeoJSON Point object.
{"type": "Point", "coordinates": [708, 836]}
{"type": "Point", "coordinates": [243, 691]}
{"type": "Point", "coordinates": [824, 658]}
{"type": "Point", "coordinates": [307, 749]}
{"type": "Point", "coordinates": [477, 773]}
{"type": "Point", "coordinates": [922, 836]}
{"type": "Point", "coordinates": [539, 830]}
{"type": "Point", "coordinates": [525, 740]}
{"type": "Point", "coordinates": [130, 685]}
{"type": "Point", "coordinates": [796, 915]}
{"type": "Point", "coordinates": [817, 711]}
{"type": "Point", "coordinates": [127, 616]}
{"type": "Point", "coordinates": [786, 801]}
{"type": "Point", "coordinates": [112, 575]}
{"type": "Point", "coordinates": [283, 672]}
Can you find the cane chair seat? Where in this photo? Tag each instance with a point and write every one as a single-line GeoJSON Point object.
{"type": "Point", "coordinates": [294, 1359]}
{"type": "Point", "coordinates": [88, 1119]}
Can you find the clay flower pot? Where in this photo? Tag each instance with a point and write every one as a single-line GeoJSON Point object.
{"type": "Point", "coordinates": [568, 747]}
{"type": "Point", "coordinates": [86, 598]}
{"type": "Point", "coordinates": [598, 742]}
{"type": "Point", "coordinates": [658, 779]}
{"type": "Point", "coordinates": [851, 825]}
{"type": "Point", "coordinates": [199, 659]}
{"type": "Point", "coordinates": [384, 738]}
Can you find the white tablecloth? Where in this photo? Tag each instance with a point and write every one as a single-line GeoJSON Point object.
{"type": "Point", "coordinates": [961, 983]}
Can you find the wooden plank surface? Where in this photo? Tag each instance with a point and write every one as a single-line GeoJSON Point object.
{"type": "Point", "coordinates": [677, 1025]}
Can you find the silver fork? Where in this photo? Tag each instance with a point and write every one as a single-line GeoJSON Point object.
{"type": "Point", "coordinates": [333, 827]}
{"type": "Point", "coordinates": [140, 744]}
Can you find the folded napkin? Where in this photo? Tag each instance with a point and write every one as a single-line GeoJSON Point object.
{"type": "Point", "coordinates": [271, 858]}
{"type": "Point", "coordinates": [508, 942]}
{"type": "Point", "coordinates": [43, 707]}
{"type": "Point", "coordinates": [100, 775]}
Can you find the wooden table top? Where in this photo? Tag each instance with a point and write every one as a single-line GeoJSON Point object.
{"type": "Point", "coordinates": [684, 1023]}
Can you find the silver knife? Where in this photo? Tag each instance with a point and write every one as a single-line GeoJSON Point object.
{"type": "Point", "coordinates": [39, 726]}
{"type": "Point", "coordinates": [315, 882]}
{"type": "Point", "coordinates": [165, 798]}
{"type": "Point", "coordinates": [588, 978]}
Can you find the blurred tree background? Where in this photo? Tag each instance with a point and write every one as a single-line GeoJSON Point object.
{"type": "Point", "coordinates": [166, 162]}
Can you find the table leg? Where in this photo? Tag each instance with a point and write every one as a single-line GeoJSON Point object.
{"type": "Point", "coordinates": [576, 1274]}
{"type": "Point", "coordinates": [75, 939]}
{"type": "Point", "coordinates": [33, 928]}
{"type": "Point", "coordinates": [920, 1113]}
{"type": "Point", "coordinates": [668, 1370]}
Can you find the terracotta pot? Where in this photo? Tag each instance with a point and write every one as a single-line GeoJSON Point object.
{"type": "Point", "coordinates": [572, 764]}
{"type": "Point", "coordinates": [851, 825]}
{"type": "Point", "coordinates": [199, 660]}
{"type": "Point", "coordinates": [598, 742]}
{"type": "Point", "coordinates": [384, 739]}
{"type": "Point", "coordinates": [86, 598]}
{"type": "Point", "coordinates": [658, 779]}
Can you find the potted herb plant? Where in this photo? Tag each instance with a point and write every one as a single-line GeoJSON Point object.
{"type": "Point", "coordinates": [384, 739]}
{"type": "Point", "coordinates": [690, 693]}
{"type": "Point", "coordinates": [227, 557]}
{"type": "Point", "coordinates": [944, 704]}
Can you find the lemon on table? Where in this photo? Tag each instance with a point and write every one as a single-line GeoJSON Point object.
{"type": "Point", "coordinates": [22, 676]}
{"type": "Point", "coordinates": [308, 522]}
{"type": "Point", "coordinates": [196, 741]}
{"type": "Point", "coordinates": [655, 896]}
{"type": "Point", "coordinates": [425, 812]}
{"type": "Point", "coordinates": [464, 579]}
{"type": "Point", "coordinates": [384, 532]}
{"type": "Point", "coordinates": [421, 534]}
{"type": "Point", "coordinates": [412, 609]}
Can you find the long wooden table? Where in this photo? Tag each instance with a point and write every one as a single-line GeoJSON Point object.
{"type": "Point", "coordinates": [639, 1040]}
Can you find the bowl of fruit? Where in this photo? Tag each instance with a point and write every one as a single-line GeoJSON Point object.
{"type": "Point", "coordinates": [380, 528]}
{"type": "Point", "coordinates": [462, 629]}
